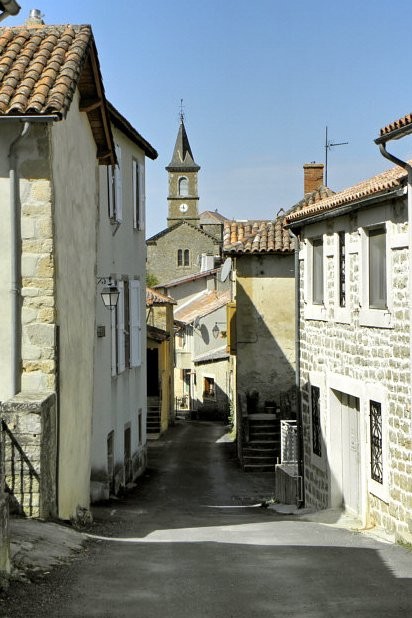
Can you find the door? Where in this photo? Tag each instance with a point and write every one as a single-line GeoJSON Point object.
{"type": "Point", "coordinates": [350, 453]}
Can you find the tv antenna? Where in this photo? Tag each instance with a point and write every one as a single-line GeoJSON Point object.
{"type": "Point", "coordinates": [328, 146]}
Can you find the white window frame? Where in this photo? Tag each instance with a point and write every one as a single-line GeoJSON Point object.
{"type": "Point", "coordinates": [341, 314]}
{"type": "Point", "coordinates": [138, 178]}
{"type": "Point", "coordinates": [378, 318]}
{"type": "Point", "coordinates": [135, 323]}
{"type": "Point", "coordinates": [314, 311]}
{"type": "Point", "coordinates": [318, 379]}
{"type": "Point", "coordinates": [376, 392]}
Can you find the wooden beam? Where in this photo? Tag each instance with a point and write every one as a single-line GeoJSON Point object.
{"type": "Point", "coordinates": [89, 106]}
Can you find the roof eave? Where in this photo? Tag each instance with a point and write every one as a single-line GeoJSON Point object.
{"type": "Point", "coordinates": [395, 134]}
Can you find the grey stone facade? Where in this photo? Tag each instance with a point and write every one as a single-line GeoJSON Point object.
{"type": "Point", "coordinates": [364, 354]}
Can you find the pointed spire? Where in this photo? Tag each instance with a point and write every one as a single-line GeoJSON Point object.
{"type": "Point", "coordinates": [182, 159]}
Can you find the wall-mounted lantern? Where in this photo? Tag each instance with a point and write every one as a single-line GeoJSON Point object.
{"type": "Point", "coordinates": [216, 330]}
{"type": "Point", "coordinates": [110, 293]}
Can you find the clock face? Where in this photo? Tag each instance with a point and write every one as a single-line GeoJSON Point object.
{"type": "Point", "coordinates": [183, 207]}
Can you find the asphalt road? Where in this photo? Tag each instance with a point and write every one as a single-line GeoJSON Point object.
{"type": "Point", "coordinates": [192, 541]}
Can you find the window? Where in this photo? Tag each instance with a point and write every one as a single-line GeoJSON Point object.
{"type": "Point", "coordinates": [209, 388]}
{"type": "Point", "coordinates": [114, 188]}
{"type": "Point", "coordinates": [317, 271]}
{"type": "Point", "coordinates": [377, 268]}
{"type": "Point", "coordinates": [183, 257]}
{"type": "Point", "coordinates": [376, 441]}
{"type": "Point", "coordinates": [342, 269]}
{"type": "Point", "coordinates": [316, 425]}
{"type": "Point", "coordinates": [126, 327]}
{"type": "Point", "coordinates": [138, 195]}
{"type": "Point", "coordinates": [183, 186]}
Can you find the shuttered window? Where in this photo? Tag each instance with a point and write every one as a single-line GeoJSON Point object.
{"type": "Point", "coordinates": [135, 324]}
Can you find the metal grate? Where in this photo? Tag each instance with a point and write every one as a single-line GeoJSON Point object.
{"type": "Point", "coordinates": [316, 428]}
{"type": "Point", "coordinates": [376, 441]}
{"type": "Point", "coordinates": [289, 441]}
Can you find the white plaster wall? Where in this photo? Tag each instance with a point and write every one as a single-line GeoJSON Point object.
{"type": "Point", "coordinates": [121, 253]}
{"type": "Point", "coordinates": [75, 220]}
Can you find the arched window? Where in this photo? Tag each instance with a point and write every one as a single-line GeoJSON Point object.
{"type": "Point", "coordinates": [187, 257]}
{"type": "Point", "coordinates": [183, 186]}
{"type": "Point", "coordinates": [180, 257]}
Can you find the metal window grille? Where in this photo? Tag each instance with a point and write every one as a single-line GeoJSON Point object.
{"type": "Point", "coordinates": [376, 441]}
{"type": "Point", "coordinates": [342, 270]}
{"type": "Point", "coordinates": [289, 441]}
{"type": "Point", "coordinates": [316, 429]}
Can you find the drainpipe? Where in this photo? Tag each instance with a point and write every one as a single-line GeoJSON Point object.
{"type": "Point", "coordinates": [15, 262]}
{"type": "Point", "coordinates": [301, 471]}
{"type": "Point", "coordinates": [408, 168]}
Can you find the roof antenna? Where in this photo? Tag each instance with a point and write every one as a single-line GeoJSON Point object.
{"type": "Point", "coordinates": [328, 146]}
{"type": "Point", "coordinates": [182, 114]}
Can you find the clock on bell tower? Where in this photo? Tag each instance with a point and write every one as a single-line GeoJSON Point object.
{"type": "Point", "coordinates": [183, 191]}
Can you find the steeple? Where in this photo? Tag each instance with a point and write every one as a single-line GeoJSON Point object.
{"type": "Point", "coordinates": [182, 159]}
{"type": "Point", "coordinates": [183, 193]}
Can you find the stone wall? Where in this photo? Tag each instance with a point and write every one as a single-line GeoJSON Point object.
{"type": "Point", "coordinates": [346, 355]}
{"type": "Point", "coordinates": [31, 419]}
{"type": "Point", "coordinates": [38, 289]}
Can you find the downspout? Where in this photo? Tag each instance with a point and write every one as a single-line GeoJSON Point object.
{"type": "Point", "coordinates": [408, 168]}
{"type": "Point", "coordinates": [15, 262]}
{"type": "Point", "coordinates": [300, 496]}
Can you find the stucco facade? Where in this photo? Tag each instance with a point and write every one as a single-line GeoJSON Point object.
{"type": "Point", "coordinates": [265, 343]}
{"type": "Point", "coordinates": [118, 454]}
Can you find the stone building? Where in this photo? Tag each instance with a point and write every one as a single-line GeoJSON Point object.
{"type": "Point", "coordinates": [354, 352]}
{"type": "Point", "coordinates": [192, 241]}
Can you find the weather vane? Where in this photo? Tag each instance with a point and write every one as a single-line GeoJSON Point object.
{"type": "Point", "coordinates": [182, 114]}
{"type": "Point", "coordinates": [328, 146]}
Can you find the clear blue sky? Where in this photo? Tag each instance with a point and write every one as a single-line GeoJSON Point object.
{"type": "Point", "coordinates": [260, 81]}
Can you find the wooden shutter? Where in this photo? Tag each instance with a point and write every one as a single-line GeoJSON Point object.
{"type": "Point", "coordinates": [114, 340]}
{"type": "Point", "coordinates": [118, 185]}
{"type": "Point", "coordinates": [135, 324]}
{"type": "Point", "coordinates": [136, 195]}
{"type": "Point", "coordinates": [120, 329]}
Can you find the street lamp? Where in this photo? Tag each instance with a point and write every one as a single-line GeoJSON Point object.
{"type": "Point", "coordinates": [110, 293]}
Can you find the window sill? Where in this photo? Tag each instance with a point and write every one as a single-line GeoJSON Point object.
{"type": "Point", "coordinates": [375, 318]}
{"type": "Point", "coordinates": [315, 312]}
{"type": "Point", "coordinates": [342, 315]}
{"type": "Point", "coordinates": [378, 490]}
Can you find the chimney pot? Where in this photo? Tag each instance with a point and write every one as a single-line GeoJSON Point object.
{"type": "Point", "coordinates": [312, 177]}
{"type": "Point", "coordinates": [35, 18]}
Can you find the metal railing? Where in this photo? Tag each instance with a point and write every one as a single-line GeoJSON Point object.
{"type": "Point", "coordinates": [289, 441]}
{"type": "Point", "coordinates": [22, 481]}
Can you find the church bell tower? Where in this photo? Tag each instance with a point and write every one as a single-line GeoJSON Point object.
{"type": "Point", "coordinates": [183, 192]}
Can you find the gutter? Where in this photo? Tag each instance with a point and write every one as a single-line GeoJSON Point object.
{"type": "Point", "coordinates": [15, 231]}
{"type": "Point", "coordinates": [382, 147]}
{"type": "Point", "coordinates": [300, 494]}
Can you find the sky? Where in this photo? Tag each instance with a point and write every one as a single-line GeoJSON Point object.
{"type": "Point", "coordinates": [260, 82]}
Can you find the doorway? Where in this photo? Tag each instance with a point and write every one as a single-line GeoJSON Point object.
{"type": "Point", "coordinates": [345, 460]}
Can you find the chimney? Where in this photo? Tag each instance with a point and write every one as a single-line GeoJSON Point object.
{"type": "Point", "coordinates": [35, 18]}
{"type": "Point", "coordinates": [312, 177]}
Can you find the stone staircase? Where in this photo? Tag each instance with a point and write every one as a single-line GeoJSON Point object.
{"type": "Point", "coordinates": [153, 424]}
{"type": "Point", "coordinates": [261, 448]}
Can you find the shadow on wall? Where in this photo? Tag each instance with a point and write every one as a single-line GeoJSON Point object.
{"type": "Point", "coordinates": [214, 405]}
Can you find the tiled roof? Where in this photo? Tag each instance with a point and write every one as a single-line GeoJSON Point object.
{"type": "Point", "coordinates": [186, 279]}
{"type": "Point", "coordinates": [380, 184]}
{"type": "Point", "coordinates": [240, 237]}
{"type": "Point", "coordinates": [166, 231]}
{"type": "Point", "coordinates": [201, 306]}
{"type": "Point", "coordinates": [212, 355]}
{"type": "Point", "coordinates": [40, 69]}
{"type": "Point", "coordinates": [395, 129]}
{"type": "Point", "coordinates": [211, 216]}
{"type": "Point", "coordinates": [124, 125]}
{"type": "Point", "coordinates": [153, 297]}
{"type": "Point", "coordinates": [156, 334]}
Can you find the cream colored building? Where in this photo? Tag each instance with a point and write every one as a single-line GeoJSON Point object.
{"type": "Point", "coordinates": [56, 140]}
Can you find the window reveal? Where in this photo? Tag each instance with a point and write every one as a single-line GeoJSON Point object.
{"type": "Point", "coordinates": [316, 428]}
{"type": "Point", "coordinates": [376, 441]}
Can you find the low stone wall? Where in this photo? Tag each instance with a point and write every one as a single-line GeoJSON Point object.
{"type": "Point", "coordinates": [31, 419]}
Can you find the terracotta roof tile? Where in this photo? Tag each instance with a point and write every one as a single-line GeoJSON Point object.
{"type": "Point", "coordinates": [241, 237]}
{"type": "Point", "coordinates": [201, 306]}
{"type": "Point", "coordinates": [153, 297]}
{"type": "Point", "coordinates": [40, 67]}
{"type": "Point", "coordinates": [401, 125]}
{"type": "Point", "coordinates": [379, 184]}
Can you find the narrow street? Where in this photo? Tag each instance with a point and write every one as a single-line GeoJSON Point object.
{"type": "Point", "coordinates": [190, 541]}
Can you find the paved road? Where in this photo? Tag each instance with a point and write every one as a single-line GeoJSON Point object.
{"type": "Point", "coordinates": [190, 542]}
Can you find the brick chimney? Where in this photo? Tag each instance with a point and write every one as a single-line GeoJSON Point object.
{"type": "Point", "coordinates": [312, 177]}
